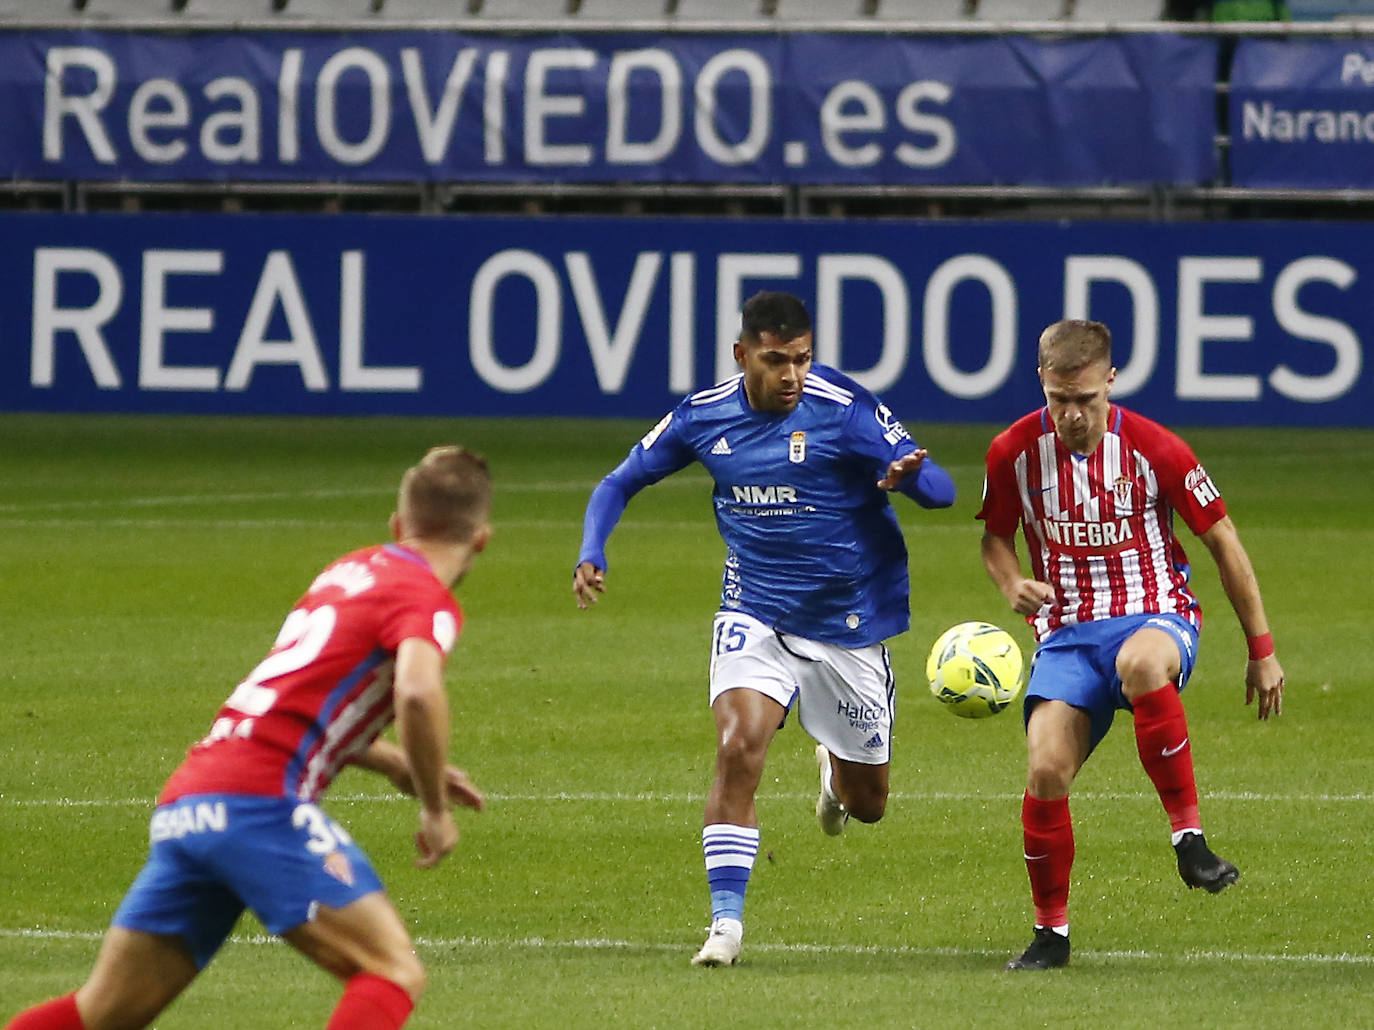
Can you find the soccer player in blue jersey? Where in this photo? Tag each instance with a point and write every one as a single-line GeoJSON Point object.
{"type": "Point", "coordinates": [815, 580]}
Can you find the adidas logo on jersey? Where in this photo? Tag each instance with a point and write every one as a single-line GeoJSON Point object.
{"type": "Point", "coordinates": [874, 741]}
{"type": "Point", "coordinates": [721, 447]}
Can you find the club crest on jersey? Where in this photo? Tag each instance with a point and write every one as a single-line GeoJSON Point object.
{"type": "Point", "coordinates": [796, 448]}
{"type": "Point", "coordinates": [1122, 489]}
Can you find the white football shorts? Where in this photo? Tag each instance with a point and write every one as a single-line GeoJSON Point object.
{"type": "Point", "coordinates": [844, 697]}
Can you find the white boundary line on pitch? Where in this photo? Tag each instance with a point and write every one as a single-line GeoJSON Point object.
{"type": "Point", "coordinates": [600, 797]}
{"type": "Point", "coordinates": [777, 948]}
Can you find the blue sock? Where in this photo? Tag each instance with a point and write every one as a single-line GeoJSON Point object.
{"type": "Point", "coordinates": [729, 851]}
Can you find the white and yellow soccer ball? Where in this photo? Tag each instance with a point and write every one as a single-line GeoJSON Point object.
{"type": "Point", "coordinates": [975, 669]}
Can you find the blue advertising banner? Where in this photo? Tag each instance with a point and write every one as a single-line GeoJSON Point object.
{"type": "Point", "coordinates": [1253, 323]}
{"type": "Point", "coordinates": [1302, 113]}
{"type": "Point", "coordinates": [750, 108]}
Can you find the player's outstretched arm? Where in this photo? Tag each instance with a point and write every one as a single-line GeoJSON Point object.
{"type": "Point", "coordinates": [1263, 673]}
{"type": "Point", "coordinates": [422, 724]}
{"type": "Point", "coordinates": [1026, 596]}
{"type": "Point", "coordinates": [922, 480]}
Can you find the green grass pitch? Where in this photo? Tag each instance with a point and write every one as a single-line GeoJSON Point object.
{"type": "Point", "coordinates": [146, 564]}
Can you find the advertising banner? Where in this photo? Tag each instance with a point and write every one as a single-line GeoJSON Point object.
{"type": "Point", "coordinates": [1302, 113]}
{"type": "Point", "coordinates": [1254, 323]}
{"type": "Point", "coordinates": [744, 109]}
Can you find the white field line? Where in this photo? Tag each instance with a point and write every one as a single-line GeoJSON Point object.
{"type": "Point", "coordinates": [592, 944]}
{"type": "Point", "coordinates": [172, 500]}
{"type": "Point", "coordinates": [689, 797]}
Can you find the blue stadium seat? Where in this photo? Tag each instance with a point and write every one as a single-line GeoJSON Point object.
{"type": "Point", "coordinates": [1116, 11]}
{"type": "Point", "coordinates": [1322, 10]}
{"type": "Point", "coordinates": [923, 10]}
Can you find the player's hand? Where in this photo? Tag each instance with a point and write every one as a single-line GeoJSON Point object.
{"type": "Point", "coordinates": [458, 787]}
{"type": "Point", "coordinates": [588, 581]}
{"type": "Point", "coordinates": [904, 466]}
{"type": "Point", "coordinates": [436, 837]}
{"type": "Point", "coordinates": [1028, 596]}
{"type": "Point", "coordinates": [460, 790]}
{"type": "Point", "coordinates": [1264, 679]}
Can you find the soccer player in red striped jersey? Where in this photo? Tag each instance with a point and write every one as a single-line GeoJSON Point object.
{"type": "Point", "coordinates": [237, 825]}
{"type": "Point", "coordinates": [1095, 489]}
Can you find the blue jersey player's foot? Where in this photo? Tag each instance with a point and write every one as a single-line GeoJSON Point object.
{"type": "Point", "coordinates": [1049, 950]}
{"type": "Point", "coordinates": [1199, 867]}
{"type": "Point", "coordinates": [722, 946]}
{"type": "Point", "coordinates": [830, 813]}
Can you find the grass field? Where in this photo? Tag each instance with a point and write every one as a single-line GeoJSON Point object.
{"type": "Point", "coordinates": [146, 564]}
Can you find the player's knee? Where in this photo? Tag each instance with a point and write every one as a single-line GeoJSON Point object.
{"type": "Point", "coordinates": [1048, 778]}
{"type": "Point", "coordinates": [740, 756]}
{"type": "Point", "coordinates": [406, 971]}
{"type": "Point", "coordinates": [868, 808]}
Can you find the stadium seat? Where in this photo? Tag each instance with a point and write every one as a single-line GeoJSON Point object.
{"type": "Point", "coordinates": [331, 10]}
{"type": "Point", "coordinates": [1020, 10]}
{"type": "Point", "coordinates": [720, 10]}
{"type": "Point", "coordinates": [623, 10]}
{"type": "Point", "coordinates": [524, 10]}
{"type": "Point", "coordinates": [128, 9]}
{"type": "Point", "coordinates": [821, 10]}
{"type": "Point", "coordinates": [422, 10]}
{"type": "Point", "coordinates": [229, 10]}
{"type": "Point", "coordinates": [38, 10]}
{"type": "Point", "coordinates": [1113, 11]}
{"type": "Point", "coordinates": [923, 10]}
{"type": "Point", "coordinates": [1323, 10]}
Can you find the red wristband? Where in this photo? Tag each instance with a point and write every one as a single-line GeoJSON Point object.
{"type": "Point", "coordinates": [1261, 646]}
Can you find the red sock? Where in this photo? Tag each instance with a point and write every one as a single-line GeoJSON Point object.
{"type": "Point", "coordinates": [1161, 737]}
{"type": "Point", "coordinates": [58, 1014]}
{"type": "Point", "coordinates": [1049, 857]}
{"type": "Point", "coordinates": [371, 1003]}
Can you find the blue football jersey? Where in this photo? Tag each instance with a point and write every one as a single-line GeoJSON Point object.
{"type": "Point", "coordinates": [813, 546]}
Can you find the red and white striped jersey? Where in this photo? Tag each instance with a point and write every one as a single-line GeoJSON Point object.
{"type": "Point", "coordinates": [323, 693]}
{"type": "Point", "coordinates": [1100, 528]}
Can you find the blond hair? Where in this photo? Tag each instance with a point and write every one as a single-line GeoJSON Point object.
{"type": "Point", "coordinates": [1073, 344]}
{"type": "Point", "coordinates": [446, 496]}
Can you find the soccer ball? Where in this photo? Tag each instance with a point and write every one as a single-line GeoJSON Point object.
{"type": "Point", "coordinates": [975, 669]}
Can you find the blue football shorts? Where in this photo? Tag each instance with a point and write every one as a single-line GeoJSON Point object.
{"type": "Point", "coordinates": [212, 855]}
{"type": "Point", "coordinates": [1077, 664]}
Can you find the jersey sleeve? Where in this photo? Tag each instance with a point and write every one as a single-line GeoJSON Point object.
{"type": "Point", "coordinates": [876, 434]}
{"type": "Point", "coordinates": [1186, 484]}
{"type": "Point", "coordinates": [424, 614]}
{"type": "Point", "coordinates": [1001, 508]}
{"type": "Point", "coordinates": [662, 451]}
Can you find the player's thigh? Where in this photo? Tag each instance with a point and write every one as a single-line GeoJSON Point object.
{"type": "Point", "coordinates": [1059, 738]}
{"type": "Point", "coordinates": [846, 700]}
{"type": "Point", "coordinates": [136, 976]}
{"type": "Point", "coordinates": [1159, 652]}
{"type": "Point", "coordinates": [365, 936]}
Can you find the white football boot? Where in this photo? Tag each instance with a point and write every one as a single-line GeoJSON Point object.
{"type": "Point", "coordinates": [830, 813]}
{"type": "Point", "coordinates": [722, 946]}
